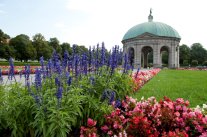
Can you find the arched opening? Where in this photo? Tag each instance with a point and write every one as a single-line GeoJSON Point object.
{"type": "Point", "coordinates": [131, 55]}
{"type": "Point", "coordinates": [147, 57]}
{"type": "Point", "coordinates": [164, 56]}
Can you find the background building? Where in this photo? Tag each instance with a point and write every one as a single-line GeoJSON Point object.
{"type": "Point", "coordinates": [152, 39]}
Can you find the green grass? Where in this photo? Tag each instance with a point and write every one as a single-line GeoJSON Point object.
{"type": "Point", "coordinates": [190, 85]}
{"type": "Point", "coordinates": [6, 63]}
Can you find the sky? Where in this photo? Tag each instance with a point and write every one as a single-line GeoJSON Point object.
{"type": "Point", "coordinates": [88, 22]}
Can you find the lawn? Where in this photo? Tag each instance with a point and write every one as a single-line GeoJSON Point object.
{"type": "Point", "coordinates": [190, 85]}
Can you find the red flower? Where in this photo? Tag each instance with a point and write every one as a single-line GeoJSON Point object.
{"type": "Point", "coordinates": [91, 122]}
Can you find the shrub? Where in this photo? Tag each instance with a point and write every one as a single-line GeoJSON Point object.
{"type": "Point", "coordinates": [194, 63]}
{"type": "Point", "coordinates": [185, 63]}
{"type": "Point", "coordinates": [205, 63]}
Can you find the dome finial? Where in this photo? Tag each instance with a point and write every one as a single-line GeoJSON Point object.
{"type": "Point", "coordinates": [150, 17]}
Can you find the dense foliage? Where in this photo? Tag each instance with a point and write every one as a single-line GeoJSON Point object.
{"type": "Point", "coordinates": [64, 94]}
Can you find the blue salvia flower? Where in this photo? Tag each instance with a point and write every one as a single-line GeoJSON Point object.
{"type": "Point", "coordinates": [137, 72]}
{"type": "Point", "coordinates": [59, 95]}
{"type": "Point", "coordinates": [59, 92]}
{"type": "Point", "coordinates": [105, 95]}
{"type": "Point", "coordinates": [120, 55]}
{"type": "Point", "coordinates": [49, 64]}
{"type": "Point", "coordinates": [117, 103]}
{"type": "Point", "coordinates": [109, 59]}
{"type": "Point", "coordinates": [93, 58]}
{"type": "Point", "coordinates": [128, 67]}
{"type": "Point", "coordinates": [11, 69]}
{"type": "Point", "coordinates": [58, 67]}
{"type": "Point", "coordinates": [38, 79]}
{"type": "Point", "coordinates": [65, 59]}
{"type": "Point", "coordinates": [125, 63]}
{"type": "Point", "coordinates": [67, 74]}
{"type": "Point", "coordinates": [84, 63]}
{"type": "Point", "coordinates": [89, 58]}
{"type": "Point", "coordinates": [76, 65]}
{"type": "Point", "coordinates": [92, 80]}
{"type": "Point", "coordinates": [57, 81]}
{"type": "Point", "coordinates": [1, 78]}
{"type": "Point", "coordinates": [69, 81]}
{"type": "Point", "coordinates": [97, 57]}
{"type": "Point", "coordinates": [49, 68]}
{"type": "Point", "coordinates": [70, 64]}
{"type": "Point", "coordinates": [102, 54]}
{"type": "Point", "coordinates": [55, 59]}
{"type": "Point", "coordinates": [26, 72]}
{"type": "Point", "coordinates": [42, 63]}
{"type": "Point", "coordinates": [112, 97]}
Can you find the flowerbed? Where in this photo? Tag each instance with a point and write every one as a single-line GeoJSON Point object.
{"type": "Point", "coordinates": [141, 77]}
{"type": "Point", "coordinates": [70, 97]}
{"type": "Point", "coordinates": [203, 69]}
{"type": "Point", "coordinates": [17, 69]}
{"type": "Point", "coordinates": [149, 118]}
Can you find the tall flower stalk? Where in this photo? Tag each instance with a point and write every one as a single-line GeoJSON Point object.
{"type": "Point", "coordinates": [11, 69]}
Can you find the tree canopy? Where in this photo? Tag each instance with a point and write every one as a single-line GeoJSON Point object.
{"type": "Point", "coordinates": [198, 53]}
{"type": "Point", "coordinates": [42, 47]}
{"type": "Point", "coordinates": [24, 49]}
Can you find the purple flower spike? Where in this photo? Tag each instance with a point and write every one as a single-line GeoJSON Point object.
{"type": "Point", "coordinates": [69, 81]}
{"type": "Point", "coordinates": [65, 59]}
{"type": "Point", "coordinates": [59, 92]}
{"type": "Point", "coordinates": [38, 79]}
{"type": "Point", "coordinates": [117, 103]}
{"type": "Point", "coordinates": [112, 97]}
{"type": "Point", "coordinates": [11, 69]}
{"type": "Point", "coordinates": [103, 50]}
{"type": "Point", "coordinates": [42, 63]}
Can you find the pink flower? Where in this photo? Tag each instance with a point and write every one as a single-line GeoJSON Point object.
{"type": "Point", "coordinates": [180, 100]}
{"type": "Point", "coordinates": [105, 128]}
{"type": "Point", "coordinates": [91, 122]}
{"type": "Point", "coordinates": [110, 133]}
{"type": "Point", "coordinates": [177, 113]}
{"type": "Point", "coordinates": [116, 125]}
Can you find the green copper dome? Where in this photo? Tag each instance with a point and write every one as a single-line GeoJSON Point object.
{"type": "Point", "coordinates": [156, 28]}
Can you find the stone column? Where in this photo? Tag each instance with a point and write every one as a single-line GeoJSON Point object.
{"type": "Point", "coordinates": [178, 57]}
{"type": "Point", "coordinates": [156, 56]}
{"type": "Point", "coordinates": [138, 56]}
{"type": "Point", "coordinates": [172, 57]}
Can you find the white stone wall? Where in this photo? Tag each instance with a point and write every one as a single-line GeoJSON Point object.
{"type": "Point", "coordinates": [156, 43]}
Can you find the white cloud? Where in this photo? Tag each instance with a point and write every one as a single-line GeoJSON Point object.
{"type": "Point", "coordinates": [108, 20]}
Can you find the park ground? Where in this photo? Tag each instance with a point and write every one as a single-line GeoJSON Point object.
{"type": "Point", "coordinates": [190, 85]}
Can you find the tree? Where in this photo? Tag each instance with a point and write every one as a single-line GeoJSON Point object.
{"type": "Point", "coordinates": [66, 47]}
{"type": "Point", "coordinates": [6, 51]}
{"type": "Point", "coordinates": [184, 53]}
{"type": "Point", "coordinates": [41, 46]}
{"type": "Point", "coordinates": [198, 53]}
{"type": "Point", "coordinates": [54, 43]}
{"type": "Point", "coordinates": [23, 47]}
{"type": "Point", "coordinates": [3, 37]}
{"type": "Point", "coordinates": [81, 49]}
